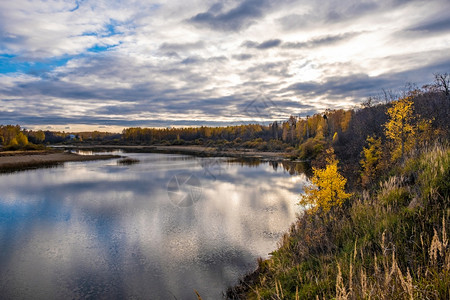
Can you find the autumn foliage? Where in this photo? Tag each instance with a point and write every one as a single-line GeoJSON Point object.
{"type": "Point", "coordinates": [327, 188]}
{"type": "Point", "coordinates": [400, 127]}
{"type": "Point", "coordinates": [371, 163]}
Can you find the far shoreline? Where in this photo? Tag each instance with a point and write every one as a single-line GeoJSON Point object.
{"type": "Point", "coordinates": [56, 155]}
{"type": "Point", "coordinates": [13, 161]}
{"type": "Point", "coordinates": [188, 150]}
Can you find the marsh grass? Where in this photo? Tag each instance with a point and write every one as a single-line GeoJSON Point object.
{"type": "Point", "coordinates": [32, 165]}
{"type": "Point", "coordinates": [387, 243]}
{"type": "Point", "coordinates": [128, 161]}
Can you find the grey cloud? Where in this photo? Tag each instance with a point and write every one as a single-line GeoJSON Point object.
{"type": "Point", "coordinates": [182, 46]}
{"type": "Point", "coordinates": [9, 40]}
{"type": "Point", "coordinates": [235, 19]}
{"type": "Point", "coordinates": [219, 59]}
{"type": "Point", "coordinates": [440, 25]}
{"type": "Point", "coordinates": [197, 60]}
{"type": "Point", "coordinates": [171, 54]}
{"type": "Point", "coordinates": [250, 44]}
{"type": "Point", "coordinates": [279, 69]}
{"type": "Point", "coordinates": [14, 118]}
{"type": "Point", "coordinates": [145, 122]}
{"type": "Point", "coordinates": [269, 44]}
{"type": "Point", "coordinates": [192, 60]}
{"type": "Point", "coordinates": [145, 79]}
{"type": "Point", "coordinates": [264, 45]}
{"type": "Point", "coordinates": [353, 10]}
{"type": "Point", "coordinates": [279, 104]}
{"type": "Point", "coordinates": [243, 56]}
{"type": "Point", "coordinates": [74, 91]}
{"type": "Point", "coordinates": [295, 21]}
{"type": "Point", "coordinates": [331, 12]}
{"type": "Point", "coordinates": [359, 85]}
{"type": "Point", "coordinates": [119, 109]}
{"type": "Point", "coordinates": [321, 41]}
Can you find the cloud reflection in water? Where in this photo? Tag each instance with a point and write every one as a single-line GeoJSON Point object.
{"type": "Point", "coordinates": [102, 230]}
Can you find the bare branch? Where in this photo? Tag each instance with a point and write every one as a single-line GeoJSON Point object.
{"type": "Point", "coordinates": [442, 81]}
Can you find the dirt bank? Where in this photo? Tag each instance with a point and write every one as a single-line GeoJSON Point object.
{"type": "Point", "coordinates": [15, 161]}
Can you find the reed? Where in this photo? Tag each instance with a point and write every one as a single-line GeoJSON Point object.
{"type": "Point", "coordinates": [128, 161]}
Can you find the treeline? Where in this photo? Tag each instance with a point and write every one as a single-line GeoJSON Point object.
{"type": "Point", "coordinates": [279, 135]}
{"type": "Point", "coordinates": [55, 137]}
{"type": "Point", "coordinates": [13, 137]}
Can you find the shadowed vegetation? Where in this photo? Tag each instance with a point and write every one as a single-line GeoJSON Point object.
{"type": "Point", "coordinates": [128, 161]}
{"type": "Point", "coordinates": [17, 167]}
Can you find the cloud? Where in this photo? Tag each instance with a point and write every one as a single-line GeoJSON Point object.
{"type": "Point", "coordinates": [43, 29]}
{"type": "Point", "coordinates": [192, 60]}
{"type": "Point", "coordinates": [321, 41]}
{"type": "Point", "coordinates": [182, 46]}
{"type": "Point", "coordinates": [264, 45]}
{"type": "Point", "coordinates": [277, 69]}
{"type": "Point", "coordinates": [440, 25]}
{"type": "Point", "coordinates": [357, 85]}
{"type": "Point", "coordinates": [242, 56]}
{"type": "Point", "coordinates": [240, 17]}
{"type": "Point", "coordinates": [360, 86]}
{"type": "Point", "coordinates": [351, 10]}
{"type": "Point", "coordinates": [197, 63]}
{"type": "Point", "coordinates": [335, 12]}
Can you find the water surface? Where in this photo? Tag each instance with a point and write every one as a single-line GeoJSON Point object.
{"type": "Point", "coordinates": [154, 230]}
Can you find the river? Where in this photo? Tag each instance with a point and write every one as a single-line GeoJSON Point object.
{"type": "Point", "coordinates": [157, 229]}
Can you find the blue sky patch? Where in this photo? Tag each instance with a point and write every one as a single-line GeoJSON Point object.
{"type": "Point", "coordinates": [99, 48]}
{"type": "Point", "coordinates": [13, 64]}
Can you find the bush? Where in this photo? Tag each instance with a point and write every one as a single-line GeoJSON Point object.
{"type": "Point", "coordinates": [178, 142]}
{"type": "Point", "coordinates": [310, 149]}
{"type": "Point", "coordinates": [31, 146]}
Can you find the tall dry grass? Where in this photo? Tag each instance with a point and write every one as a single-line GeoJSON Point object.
{"type": "Point", "coordinates": [388, 243]}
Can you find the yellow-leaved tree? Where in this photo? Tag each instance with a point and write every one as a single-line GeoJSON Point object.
{"type": "Point", "coordinates": [327, 188]}
{"type": "Point", "coordinates": [399, 128]}
{"type": "Point", "coordinates": [22, 139]}
{"type": "Point", "coordinates": [371, 161]}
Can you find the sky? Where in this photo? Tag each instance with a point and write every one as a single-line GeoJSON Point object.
{"type": "Point", "coordinates": [105, 65]}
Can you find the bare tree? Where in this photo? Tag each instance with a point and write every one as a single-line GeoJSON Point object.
{"type": "Point", "coordinates": [389, 96]}
{"type": "Point", "coordinates": [442, 81]}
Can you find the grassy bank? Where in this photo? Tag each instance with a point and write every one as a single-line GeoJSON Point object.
{"type": "Point", "coordinates": [389, 242]}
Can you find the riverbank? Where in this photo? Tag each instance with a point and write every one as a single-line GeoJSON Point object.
{"type": "Point", "coordinates": [388, 242]}
{"type": "Point", "coordinates": [189, 150]}
{"type": "Point", "coordinates": [11, 161]}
